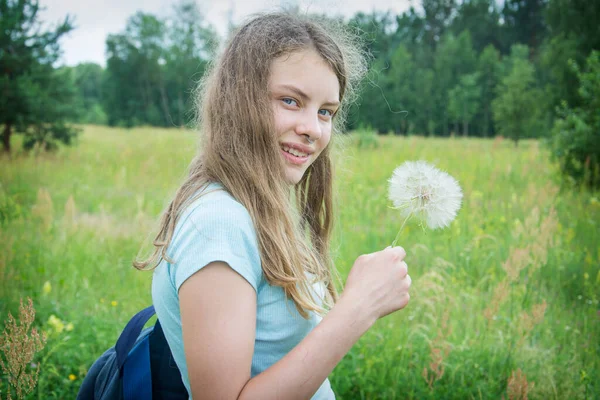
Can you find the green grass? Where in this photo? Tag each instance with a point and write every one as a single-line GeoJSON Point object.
{"type": "Point", "coordinates": [120, 180]}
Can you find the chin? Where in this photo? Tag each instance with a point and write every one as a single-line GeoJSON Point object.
{"type": "Point", "coordinates": [293, 177]}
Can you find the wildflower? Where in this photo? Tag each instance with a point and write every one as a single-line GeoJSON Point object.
{"type": "Point", "coordinates": [56, 323]}
{"type": "Point", "coordinates": [418, 189]}
{"type": "Point", "coordinates": [72, 377]}
{"type": "Point", "coordinates": [114, 303]}
{"type": "Point", "coordinates": [47, 288]}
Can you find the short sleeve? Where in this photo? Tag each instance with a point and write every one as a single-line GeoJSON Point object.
{"type": "Point", "coordinates": [215, 228]}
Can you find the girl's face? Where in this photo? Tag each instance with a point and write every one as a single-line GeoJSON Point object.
{"type": "Point", "coordinates": [304, 95]}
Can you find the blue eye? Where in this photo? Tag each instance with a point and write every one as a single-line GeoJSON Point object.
{"type": "Point", "coordinates": [328, 113]}
{"type": "Point", "coordinates": [290, 102]}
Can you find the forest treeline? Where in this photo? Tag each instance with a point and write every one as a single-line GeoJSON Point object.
{"type": "Point", "coordinates": [525, 68]}
{"type": "Point", "coordinates": [452, 67]}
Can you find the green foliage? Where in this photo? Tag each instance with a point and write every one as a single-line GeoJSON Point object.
{"type": "Point", "coordinates": [88, 78]}
{"type": "Point", "coordinates": [419, 62]}
{"type": "Point", "coordinates": [366, 138]}
{"type": "Point", "coordinates": [574, 33]}
{"type": "Point", "coordinates": [36, 100]}
{"type": "Point", "coordinates": [515, 110]}
{"type": "Point", "coordinates": [524, 22]}
{"type": "Point", "coordinates": [153, 67]}
{"type": "Point", "coordinates": [420, 59]}
{"type": "Point", "coordinates": [576, 133]}
{"type": "Point", "coordinates": [482, 19]}
{"type": "Point", "coordinates": [577, 21]}
{"type": "Point", "coordinates": [454, 58]}
{"type": "Point", "coordinates": [463, 102]}
{"type": "Point", "coordinates": [490, 68]}
{"type": "Point", "coordinates": [400, 89]}
{"type": "Point", "coordinates": [437, 15]}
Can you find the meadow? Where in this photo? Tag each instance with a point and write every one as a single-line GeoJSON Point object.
{"type": "Point", "coordinates": [504, 302]}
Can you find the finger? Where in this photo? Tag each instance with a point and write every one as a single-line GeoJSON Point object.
{"type": "Point", "coordinates": [403, 269]}
{"type": "Point", "coordinates": [404, 299]}
{"type": "Point", "coordinates": [407, 281]}
{"type": "Point", "coordinates": [397, 253]}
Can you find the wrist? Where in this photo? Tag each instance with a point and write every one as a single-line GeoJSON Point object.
{"type": "Point", "coordinates": [357, 313]}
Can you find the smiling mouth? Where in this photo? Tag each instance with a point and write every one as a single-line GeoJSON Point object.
{"type": "Point", "coordinates": [292, 158]}
{"type": "Point", "coordinates": [294, 152]}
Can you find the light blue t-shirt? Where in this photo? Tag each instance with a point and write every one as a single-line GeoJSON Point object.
{"type": "Point", "coordinates": [215, 227]}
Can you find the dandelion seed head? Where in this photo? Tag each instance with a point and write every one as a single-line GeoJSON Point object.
{"type": "Point", "coordinates": [419, 189]}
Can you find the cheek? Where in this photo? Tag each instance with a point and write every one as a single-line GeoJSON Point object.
{"type": "Point", "coordinates": [323, 143]}
{"type": "Point", "coordinates": [326, 137]}
{"type": "Point", "coordinates": [281, 120]}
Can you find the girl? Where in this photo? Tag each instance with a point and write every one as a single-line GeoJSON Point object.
{"type": "Point", "coordinates": [244, 276]}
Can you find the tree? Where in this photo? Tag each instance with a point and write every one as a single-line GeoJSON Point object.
{"type": "Point", "coordinates": [88, 78]}
{"type": "Point", "coordinates": [576, 139]}
{"type": "Point", "coordinates": [36, 99]}
{"type": "Point", "coordinates": [373, 108]}
{"type": "Point", "coordinates": [482, 19]}
{"type": "Point", "coordinates": [575, 19]}
{"type": "Point", "coordinates": [489, 67]}
{"type": "Point", "coordinates": [524, 22]}
{"type": "Point", "coordinates": [153, 67]}
{"type": "Point", "coordinates": [438, 16]}
{"type": "Point", "coordinates": [515, 109]}
{"type": "Point", "coordinates": [424, 98]}
{"type": "Point", "coordinates": [454, 57]}
{"type": "Point", "coordinates": [134, 92]}
{"type": "Point", "coordinates": [376, 31]}
{"type": "Point", "coordinates": [192, 43]}
{"type": "Point", "coordinates": [463, 101]}
{"type": "Point", "coordinates": [401, 95]}
{"type": "Point", "coordinates": [574, 32]}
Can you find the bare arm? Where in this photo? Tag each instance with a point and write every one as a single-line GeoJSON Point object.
{"type": "Point", "coordinates": [218, 312]}
{"type": "Point", "coordinates": [300, 373]}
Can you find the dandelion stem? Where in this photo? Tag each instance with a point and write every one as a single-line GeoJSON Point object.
{"type": "Point", "coordinates": [400, 231]}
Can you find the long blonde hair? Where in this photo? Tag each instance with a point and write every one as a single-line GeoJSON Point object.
{"type": "Point", "coordinates": [239, 146]}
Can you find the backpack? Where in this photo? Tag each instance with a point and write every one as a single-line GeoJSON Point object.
{"type": "Point", "coordinates": [139, 367]}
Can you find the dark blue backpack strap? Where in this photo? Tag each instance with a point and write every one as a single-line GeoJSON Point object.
{"type": "Point", "coordinates": [137, 377]}
{"type": "Point", "coordinates": [130, 334]}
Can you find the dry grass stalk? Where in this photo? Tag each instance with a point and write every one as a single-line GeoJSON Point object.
{"type": "Point", "coordinates": [500, 294]}
{"type": "Point", "coordinates": [44, 209]}
{"type": "Point", "coordinates": [518, 387]}
{"type": "Point", "coordinates": [439, 350]}
{"type": "Point", "coordinates": [70, 216]}
{"type": "Point", "coordinates": [18, 346]}
{"type": "Point", "coordinates": [518, 260]}
{"type": "Point", "coordinates": [532, 257]}
{"type": "Point", "coordinates": [529, 321]}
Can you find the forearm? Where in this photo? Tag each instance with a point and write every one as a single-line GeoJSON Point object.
{"type": "Point", "coordinates": [300, 373]}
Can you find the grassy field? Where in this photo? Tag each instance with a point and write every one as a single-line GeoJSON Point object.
{"type": "Point", "coordinates": [504, 301]}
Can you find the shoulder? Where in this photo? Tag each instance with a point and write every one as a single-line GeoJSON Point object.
{"type": "Point", "coordinates": [214, 205]}
{"type": "Point", "coordinates": [215, 227]}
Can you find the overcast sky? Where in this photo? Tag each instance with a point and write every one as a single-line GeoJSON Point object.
{"type": "Point", "coordinates": [95, 20]}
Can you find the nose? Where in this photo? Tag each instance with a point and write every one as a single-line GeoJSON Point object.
{"type": "Point", "coordinates": [309, 126]}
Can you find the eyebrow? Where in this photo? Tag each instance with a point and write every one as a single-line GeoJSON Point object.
{"type": "Point", "coordinates": [304, 96]}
